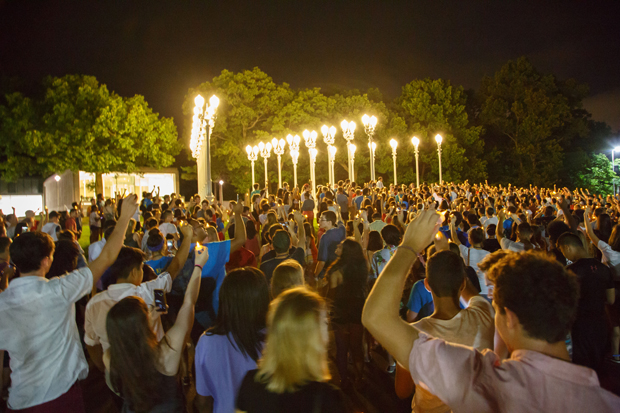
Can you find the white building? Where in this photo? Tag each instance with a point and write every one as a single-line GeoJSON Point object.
{"type": "Point", "coordinates": [61, 190]}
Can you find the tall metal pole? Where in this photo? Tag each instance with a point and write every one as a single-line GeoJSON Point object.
{"type": "Point", "coordinates": [279, 172]}
{"type": "Point", "coordinates": [266, 177]}
{"type": "Point", "coordinates": [394, 145]}
{"type": "Point", "coordinates": [350, 164]}
{"type": "Point", "coordinates": [295, 174]}
{"type": "Point", "coordinates": [613, 170]}
{"type": "Point", "coordinates": [210, 196]}
{"type": "Point", "coordinates": [439, 153]}
{"type": "Point", "coordinates": [253, 180]}
{"type": "Point", "coordinates": [417, 169]}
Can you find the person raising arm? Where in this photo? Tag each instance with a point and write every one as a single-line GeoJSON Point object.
{"type": "Point", "coordinates": [381, 311]}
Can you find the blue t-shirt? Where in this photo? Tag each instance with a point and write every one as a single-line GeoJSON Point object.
{"type": "Point", "coordinates": [463, 237]}
{"type": "Point", "coordinates": [159, 265]}
{"type": "Point", "coordinates": [328, 244]}
{"type": "Point", "coordinates": [420, 300]}
{"type": "Point", "coordinates": [358, 201]}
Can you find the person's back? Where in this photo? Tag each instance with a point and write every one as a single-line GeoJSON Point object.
{"type": "Point", "coordinates": [293, 374]}
{"type": "Point", "coordinates": [472, 326]}
{"type": "Point", "coordinates": [589, 332]}
{"type": "Point", "coordinates": [231, 348]}
{"type": "Point", "coordinates": [37, 322]}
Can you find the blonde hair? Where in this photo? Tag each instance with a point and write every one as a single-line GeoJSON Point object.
{"type": "Point", "coordinates": [296, 346]}
{"type": "Point", "coordinates": [288, 274]}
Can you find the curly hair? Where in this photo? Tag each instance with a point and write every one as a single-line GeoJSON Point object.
{"type": "Point", "coordinates": [541, 292]}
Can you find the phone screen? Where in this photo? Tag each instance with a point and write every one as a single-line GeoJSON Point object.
{"type": "Point", "coordinates": [169, 243]}
{"type": "Point", "coordinates": [160, 300]}
{"type": "Point", "coordinates": [24, 230]}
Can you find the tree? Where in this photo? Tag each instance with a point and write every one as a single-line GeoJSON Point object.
{"type": "Point", "coordinates": [596, 175]}
{"type": "Point", "coordinates": [431, 107]}
{"type": "Point", "coordinates": [249, 101]}
{"type": "Point", "coordinates": [538, 115]}
{"type": "Point", "coordinates": [79, 125]}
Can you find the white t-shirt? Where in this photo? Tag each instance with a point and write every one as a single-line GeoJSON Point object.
{"type": "Point", "coordinates": [508, 244]}
{"type": "Point", "coordinates": [51, 228]}
{"type": "Point", "coordinates": [489, 221]}
{"type": "Point", "coordinates": [98, 307]}
{"type": "Point", "coordinates": [473, 326]}
{"type": "Point", "coordinates": [474, 256]}
{"type": "Point", "coordinates": [37, 328]}
{"type": "Point", "coordinates": [94, 249]}
{"type": "Point", "coordinates": [610, 257]}
{"type": "Point", "coordinates": [168, 228]}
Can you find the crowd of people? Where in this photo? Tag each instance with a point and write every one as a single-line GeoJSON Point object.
{"type": "Point", "coordinates": [481, 298]}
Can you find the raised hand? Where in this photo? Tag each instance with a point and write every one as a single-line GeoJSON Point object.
{"type": "Point", "coordinates": [187, 231]}
{"type": "Point", "coordinates": [130, 205]}
{"type": "Point", "coordinates": [202, 255]}
{"type": "Point", "coordinates": [421, 231]}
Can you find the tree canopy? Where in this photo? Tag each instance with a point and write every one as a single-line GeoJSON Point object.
{"type": "Point", "coordinates": [78, 124]}
{"type": "Point", "coordinates": [254, 108]}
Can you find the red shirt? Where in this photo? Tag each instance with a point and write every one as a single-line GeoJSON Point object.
{"type": "Point", "coordinates": [241, 258]}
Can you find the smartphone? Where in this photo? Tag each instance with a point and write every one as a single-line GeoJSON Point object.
{"type": "Point", "coordinates": [160, 301]}
{"type": "Point", "coordinates": [24, 230]}
{"type": "Point", "coordinates": [170, 244]}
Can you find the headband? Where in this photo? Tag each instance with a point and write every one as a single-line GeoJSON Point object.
{"type": "Point", "coordinates": [156, 247]}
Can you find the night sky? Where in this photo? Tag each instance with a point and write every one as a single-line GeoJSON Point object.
{"type": "Point", "coordinates": [161, 48]}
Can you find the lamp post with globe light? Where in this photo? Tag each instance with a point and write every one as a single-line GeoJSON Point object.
{"type": "Point", "coordinates": [394, 144]}
{"type": "Point", "coordinates": [200, 142]}
{"type": "Point", "coordinates": [416, 143]}
{"type": "Point", "coordinates": [348, 132]}
{"type": "Point", "coordinates": [372, 147]}
{"type": "Point", "coordinates": [439, 139]}
{"type": "Point", "coordinates": [370, 122]}
{"type": "Point", "coordinates": [293, 144]}
{"type": "Point", "coordinates": [352, 149]}
{"type": "Point", "coordinates": [278, 149]}
{"type": "Point", "coordinates": [252, 157]}
{"type": "Point", "coordinates": [613, 166]}
{"type": "Point", "coordinates": [265, 152]}
{"type": "Point", "coordinates": [310, 139]}
{"type": "Point", "coordinates": [328, 137]}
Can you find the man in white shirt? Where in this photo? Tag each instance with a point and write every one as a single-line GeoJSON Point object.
{"type": "Point", "coordinates": [94, 249]}
{"type": "Point", "coordinates": [489, 219]}
{"type": "Point", "coordinates": [128, 270]}
{"type": "Point", "coordinates": [168, 227]}
{"type": "Point", "coordinates": [380, 182]}
{"type": "Point", "coordinates": [473, 326]}
{"type": "Point", "coordinates": [37, 321]}
{"type": "Point", "coordinates": [524, 234]}
{"type": "Point", "coordinates": [52, 227]}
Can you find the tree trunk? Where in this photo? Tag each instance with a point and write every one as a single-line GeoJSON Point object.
{"type": "Point", "coordinates": [98, 184]}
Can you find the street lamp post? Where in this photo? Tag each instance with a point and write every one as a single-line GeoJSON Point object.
{"type": "Point", "coordinates": [328, 137]}
{"type": "Point", "coordinates": [310, 139]}
{"type": "Point", "coordinates": [221, 192]}
{"type": "Point", "coordinates": [439, 139]}
{"type": "Point", "coordinates": [369, 127]}
{"type": "Point", "coordinates": [372, 147]}
{"type": "Point", "coordinates": [352, 149]}
{"type": "Point", "coordinates": [394, 144]}
{"type": "Point", "coordinates": [332, 161]}
{"type": "Point", "coordinates": [252, 157]}
{"type": "Point", "coordinates": [200, 142]}
{"type": "Point", "coordinates": [265, 152]}
{"type": "Point", "coordinates": [613, 166]}
{"type": "Point", "coordinates": [348, 131]}
{"type": "Point", "coordinates": [416, 143]}
{"type": "Point", "coordinates": [278, 149]}
{"type": "Point", "coordinates": [293, 144]}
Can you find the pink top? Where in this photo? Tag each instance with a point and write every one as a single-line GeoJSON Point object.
{"type": "Point", "coordinates": [471, 381]}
